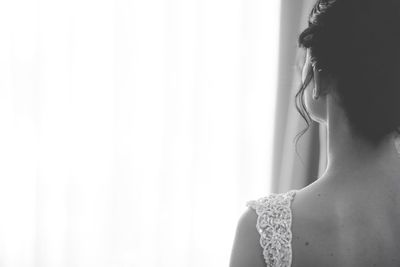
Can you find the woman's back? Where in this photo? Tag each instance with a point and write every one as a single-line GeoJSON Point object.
{"type": "Point", "coordinates": [328, 223]}
{"type": "Point", "coordinates": [331, 227]}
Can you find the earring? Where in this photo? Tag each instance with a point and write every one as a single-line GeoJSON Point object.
{"type": "Point", "coordinates": [397, 145]}
{"type": "Point", "coordinates": [315, 96]}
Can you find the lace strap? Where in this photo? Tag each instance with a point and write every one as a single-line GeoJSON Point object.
{"type": "Point", "coordinates": [274, 226]}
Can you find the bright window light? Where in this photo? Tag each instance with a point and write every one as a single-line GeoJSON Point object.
{"type": "Point", "coordinates": [133, 132]}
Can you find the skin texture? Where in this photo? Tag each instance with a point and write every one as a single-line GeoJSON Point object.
{"type": "Point", "coordinates": [350, 216]}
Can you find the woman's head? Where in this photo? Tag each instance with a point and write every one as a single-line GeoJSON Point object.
{"type": "Point", "coordinates": [353, 49]}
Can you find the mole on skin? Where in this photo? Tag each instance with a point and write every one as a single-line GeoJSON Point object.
{"type": "Point", "coordinates": [307, 243]}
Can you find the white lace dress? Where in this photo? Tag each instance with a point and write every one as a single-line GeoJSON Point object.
{"type": "Point", "coordinates": [274, 226]}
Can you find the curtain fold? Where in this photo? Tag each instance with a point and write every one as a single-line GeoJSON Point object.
{"type": "Point", "coordinates": [290, 171]}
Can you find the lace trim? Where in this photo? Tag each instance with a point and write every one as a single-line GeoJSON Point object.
{"type": "Point", "coordinates": [274, 224]}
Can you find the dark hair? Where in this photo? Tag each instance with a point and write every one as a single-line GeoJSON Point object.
{"type": "Point", "coordinates": [357, 42]}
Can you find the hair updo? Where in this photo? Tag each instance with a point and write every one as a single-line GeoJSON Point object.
{"type": "Point", "coordinates": [357, 42]}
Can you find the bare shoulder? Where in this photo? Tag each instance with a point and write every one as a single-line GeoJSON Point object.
{"type": "Point", "coordinates": [331, 228]}
{"type": "Point", "coordinates": [246, 249]}
{"type": "Point", "coordinates": [314, 229]}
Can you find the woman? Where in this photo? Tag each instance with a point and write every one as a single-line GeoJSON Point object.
{"type": "Point", "coordinates": [350, 216]}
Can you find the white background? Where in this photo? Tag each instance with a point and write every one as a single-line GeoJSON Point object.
{"type": "Point", "coordinates": [133, 132]}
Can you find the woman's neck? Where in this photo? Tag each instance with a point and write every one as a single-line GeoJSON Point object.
{"type": "Point", "coordinates": [353, 162]}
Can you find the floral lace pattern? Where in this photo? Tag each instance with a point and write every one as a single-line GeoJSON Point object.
{"type": "Point", "coordinates": [274, 226]}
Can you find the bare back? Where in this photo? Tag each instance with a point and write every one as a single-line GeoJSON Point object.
{"type": "Point", "coordinates": [331, 228]}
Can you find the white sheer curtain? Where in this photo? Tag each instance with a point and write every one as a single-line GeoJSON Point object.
{"type": "Point", "coordinates": [132, 132]}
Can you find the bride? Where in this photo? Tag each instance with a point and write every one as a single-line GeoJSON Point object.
{"type": "Point", "coordinates": [350, 216]}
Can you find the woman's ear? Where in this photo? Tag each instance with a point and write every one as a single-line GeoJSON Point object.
{"type": "Point", "coordinates": [323, 84]}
